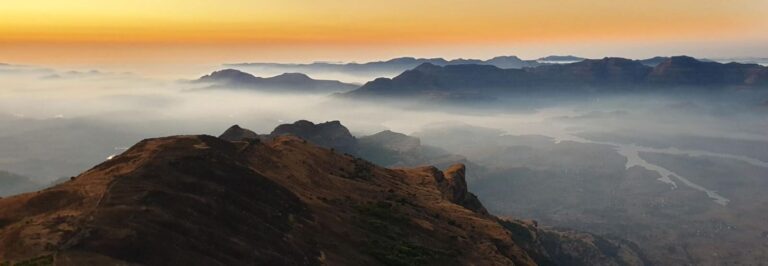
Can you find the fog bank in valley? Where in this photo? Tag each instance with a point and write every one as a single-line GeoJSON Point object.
{"type": "Point", "coordinates": [669, 173]}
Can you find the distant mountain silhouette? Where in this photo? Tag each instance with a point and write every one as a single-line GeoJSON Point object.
{"type": "Point", "coordinates": [560, 59]}
{"type": "Point", "coordinates": [683, 70]}
{"type": "Point", "coordinates": [395, 65]}
{"type": "Point", "coordinates": [288, 82]}
{"type": "Point", "coordinates": [591, 75]}
{"type": "Point", "coordinates": [654, 61]}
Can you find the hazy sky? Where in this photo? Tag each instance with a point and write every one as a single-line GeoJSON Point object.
{"type": "Point", "coordinates": [188, 31]}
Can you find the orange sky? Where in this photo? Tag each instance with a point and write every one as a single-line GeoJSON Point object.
{"type": "Point", "coordinates": [82, 31]}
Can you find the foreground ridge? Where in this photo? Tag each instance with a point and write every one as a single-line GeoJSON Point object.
{"type": "Point", "coordinates": [201, 200]}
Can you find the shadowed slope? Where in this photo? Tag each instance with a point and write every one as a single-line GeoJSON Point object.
{"type": "Point", "coordinates": [200, 200]}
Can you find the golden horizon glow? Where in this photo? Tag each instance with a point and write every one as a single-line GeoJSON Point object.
{"type": "Point", "coordinates": [340, 23]}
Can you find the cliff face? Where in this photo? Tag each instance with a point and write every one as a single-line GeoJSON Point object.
{"type": "Point", "coordinates": [201, 200]}
{"type": "Point", "coordinates": [236, 133]}
{"type": "Point", "coordinates": [329, 134]}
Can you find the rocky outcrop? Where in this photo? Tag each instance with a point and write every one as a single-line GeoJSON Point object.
{"type": "Point", "coordinates": [329, 134]}
{"type": "Point", "coordinates": [237, 133]}
{"type": "Point", "coordinates": [453, 186]}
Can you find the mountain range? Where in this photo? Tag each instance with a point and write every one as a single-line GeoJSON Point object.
{"type": "Point", "coordinates": [198, 199]}
{"type": "Point", "coordinates": [587, 76]}
{"type": "Point", "coordinates": [560, 59]}
{"type": "Point", "coordinates": [395, 65]}
{"type": "Point", "coordinates": [384, 148]}
{"type": "Point", "coordinates": [287, 82]}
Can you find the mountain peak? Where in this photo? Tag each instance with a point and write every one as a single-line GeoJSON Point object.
{"type": "Point", "coordinates": [292, 77]}
{"type": "Point", "coordinates": [237, 133]}
{"type": "Point", "coordinates": [683, 59]}
{"type": "Point", "coordinates": [286, 82]}
{"type": "Point", "coordinates": [228, 75]}
{"type": "Point", "coordinates": [453, 186]}
{"type": "Point", "coordinates": [426, 67]}
{"type": "Point", "coordinates": [331, 134]}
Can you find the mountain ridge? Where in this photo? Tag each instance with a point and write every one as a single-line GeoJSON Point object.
{"type": "Point", "coordinates": [590, 76]}
{"type": "Point", "coordinates": [199, 199]}
{"type": "Point", "coordinates": [286, 82]}
{"type": "Point", "coordinates": [398, 64]}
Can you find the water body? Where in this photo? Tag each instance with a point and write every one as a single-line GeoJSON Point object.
{"type": "Point", "coordinates": [633, 158]}
{"type": "Point", "coordinates": [632, 153]}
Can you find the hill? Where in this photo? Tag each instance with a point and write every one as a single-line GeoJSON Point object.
{"type": "Point", "coordinates": [201, 200]}
{"type": "Point", "coordinates": [385, 148]}
{"type": "Point", "coordinates": [398, 65]}
{"type": "Point", "coordinates": [288, 82]}
{"type": "Point", "coordinates": [590, 76]}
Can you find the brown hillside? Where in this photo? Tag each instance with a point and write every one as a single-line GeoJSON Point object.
{"type": "Point", "coordinates": [200, 200]}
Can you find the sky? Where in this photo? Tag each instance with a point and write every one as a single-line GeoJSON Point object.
{"type": "Point", "coordinates": [151, 32]}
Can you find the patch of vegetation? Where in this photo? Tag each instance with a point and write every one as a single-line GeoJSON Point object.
{"type": "Point", "coordinates": [363, 169]}
{"type": "Point", "coordinates": [387, 238]}
{"type": "Point", "coordinates": [403, 253]}
{"type": "Point", "coordinates": [382, 218]}
{"type": "Point", "coordinates": [520, 232]}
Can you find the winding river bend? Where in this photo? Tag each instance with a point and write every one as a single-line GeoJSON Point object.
{"type": "Point", "coordinates": [632, 153]}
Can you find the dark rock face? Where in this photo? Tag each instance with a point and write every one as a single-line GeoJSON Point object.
{"type": "Point", "coordinates": [237, 133]}
{"type": "Point", "coordinates": [453, 185]}
{"type": "Point", "coordinates": [329, 134]}
{"type": "Point", "coordinates": [385, 148]}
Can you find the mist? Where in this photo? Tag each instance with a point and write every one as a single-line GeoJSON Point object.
{"type": "Point", "coordinates": [36, 99]}
{"type": "Point", "coordinates": [631, 166]}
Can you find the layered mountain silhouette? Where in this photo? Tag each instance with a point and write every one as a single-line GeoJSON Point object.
{"type": "Point", "coordinates": [202, 200]}
{"type": "Point", "coordinates": [598, 75]}
{"type": "Point", "coordinates": [393, 65]}
{"type": "Point", "coordinates": [385, 148]}
{"type": "Point", "coordinates": [288, 82]}
{"type": "Point", "coordinates": [560, 59]}
{"type": "Point", "coordinates": [654, 61]}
